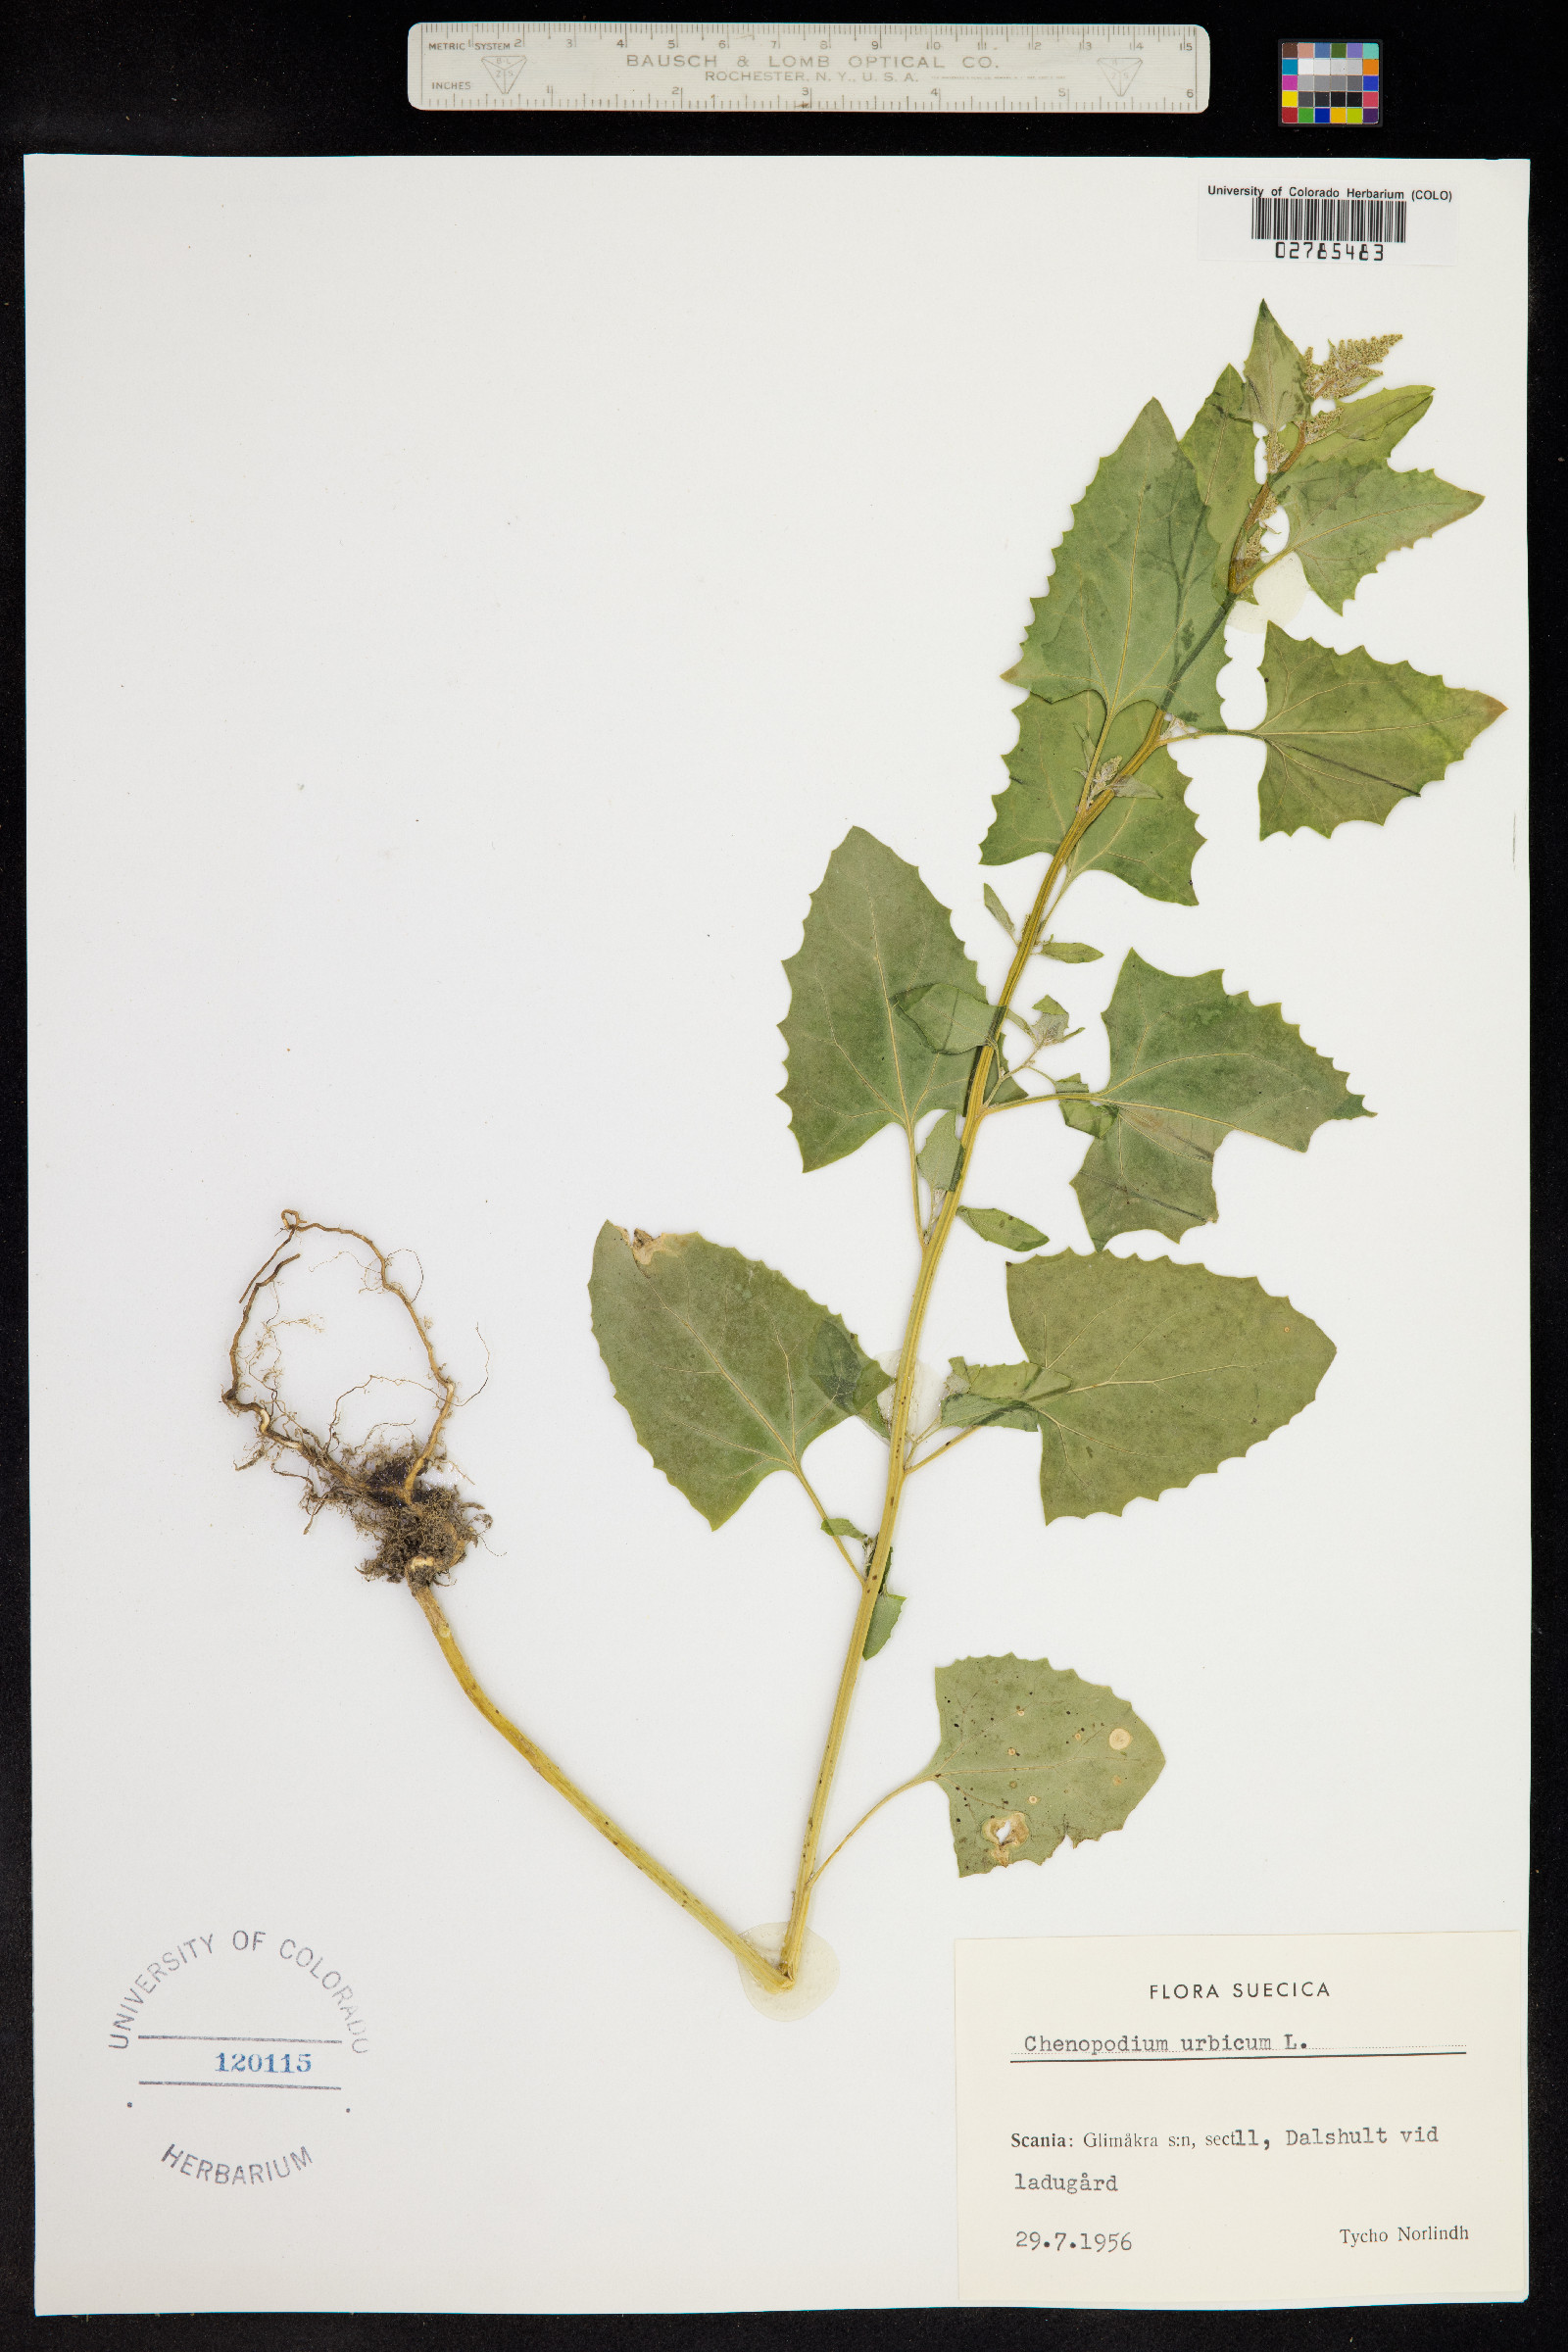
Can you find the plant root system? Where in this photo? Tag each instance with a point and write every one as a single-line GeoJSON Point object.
{"type": "Point", "coordinates": [417, 1522]}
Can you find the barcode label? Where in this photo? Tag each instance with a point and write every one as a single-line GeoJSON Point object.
{"type": "Point", "coordinates": [1345, 219]}
{"type": "Point", "coordinates": [1243, 218]}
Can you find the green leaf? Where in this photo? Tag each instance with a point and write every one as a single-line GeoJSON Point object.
{"type": "Point", "coordinates": [712, 1355]}
{"type": "Point", "coordinates": [1364, 430]}
{"type": "Point", "coordinates": [1001, 1087]}
{"type": "Point", "coordinates": [1274, 395]}
{"type": "Point", "coordinates": [955, 1020]}
{"type": "Point", "coordinates": [873, 1383]}
{"type": "Point", "coordinates": [1131, 612]}
{"type": "Point", "coordinates": [845, 1527]}
{"type": "Point", "coordinates": [1003, 1395]}
{"type": "Point", "coordinates": [1148, 842]}
{"type": "Point", "coordinates": [1069, 951]}
{"type": "Point", "coordinates": [996, 1225]}
{"type": "Point", "coordinates": [1346, 519]}
{"type": "Point", "coordinates": [1188, 1065]}
{"type": "Point", "coordinates": [846, 1376]}
{"type": "Point", "coordinates": [884, 1617]}
{"type": "Point", "coordinates": [1051, 1027]}
{"type": "Point", "coordinates": [855, 1061]}
{"type": "Point", "coordinates": [993, 907]}
{"type": "Point", "coordinates": [966, 1411]}
{"type": "Point", "coordinates": [1031, 1754]}
{"type": "Point", "coordinates": [938, 1160]}
{"type": "Point", "coordinates": [1348, 738]}
{"type": "Point", "coordinates": [1147, 1171]}
{"type": "Point", "coordinates": [1088, 1116]}
{"type": "Point", "coordinates": [1223, 448]}
{"type": "Point", "coordinates": [1172, 1371]}
{"type": "Point", "coordinates": [839, 1365]}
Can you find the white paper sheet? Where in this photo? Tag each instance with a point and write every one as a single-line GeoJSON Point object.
{"type": "Point", "coordinates": [470, 600]}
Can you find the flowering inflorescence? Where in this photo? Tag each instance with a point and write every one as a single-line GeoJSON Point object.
{"type": "Point", "coordinates": [1349, 368]}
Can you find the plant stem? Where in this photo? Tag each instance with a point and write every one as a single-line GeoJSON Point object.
{"type": "Point", "coordinates": [1233, 579]}
{"type": "Point", "coordinates": [935, 1242]}
{"type": "Point", "coordinates": [773, 1980]}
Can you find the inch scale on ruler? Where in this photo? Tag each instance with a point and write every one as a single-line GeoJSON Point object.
{"type": "Point", "coordinates": [569, 66]}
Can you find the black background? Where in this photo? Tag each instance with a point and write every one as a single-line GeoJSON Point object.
{"type": "Point", "coordinates": [185, 79]}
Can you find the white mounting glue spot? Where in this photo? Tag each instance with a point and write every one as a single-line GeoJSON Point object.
{"type": "Point", "coordinates": [1281, 592]}
{"type": "Point", "coordinates": [815, 1978]}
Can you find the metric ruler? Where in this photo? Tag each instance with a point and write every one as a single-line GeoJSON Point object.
{"type": "Point", "coordinates": [574, 67]}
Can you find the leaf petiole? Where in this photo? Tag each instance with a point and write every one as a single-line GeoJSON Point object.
{"type": "Point", "coordinates": [830, 1526]}
{"type": "Point", "coordinates": [936, 1456]}
{"type": "Point", "coordinates": [864, 1818]}
{"type": "Point", "coordinates": [1029, 1099]}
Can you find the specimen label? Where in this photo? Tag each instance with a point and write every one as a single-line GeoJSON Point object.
{"type": "Point", "coordinates": [1191, 2122]}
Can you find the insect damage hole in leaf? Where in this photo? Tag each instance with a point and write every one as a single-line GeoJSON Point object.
{"type": "Point", "coordinates": [1029, 1755]}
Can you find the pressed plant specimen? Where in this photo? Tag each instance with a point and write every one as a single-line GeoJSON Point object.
{"type": "Point", "coordinates": [1134, 1374]}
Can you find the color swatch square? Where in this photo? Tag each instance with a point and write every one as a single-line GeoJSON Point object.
{"type": "Point", "coordinates": [1331, 83]}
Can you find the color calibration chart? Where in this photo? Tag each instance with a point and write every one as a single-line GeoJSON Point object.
{"type": "Point", "coordinates": [1330, 82]}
